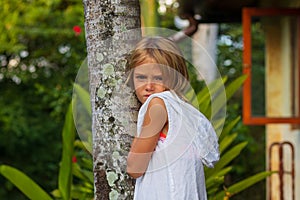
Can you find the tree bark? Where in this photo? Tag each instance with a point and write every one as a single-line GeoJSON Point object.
{"type": "Point", "coordinates": [108, 42]}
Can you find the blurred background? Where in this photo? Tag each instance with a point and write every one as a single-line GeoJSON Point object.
{"type": "Point", "coordinates": [42, 46]}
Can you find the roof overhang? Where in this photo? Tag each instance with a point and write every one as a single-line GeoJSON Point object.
{"type": "Point", "coordinates": [222, 11]}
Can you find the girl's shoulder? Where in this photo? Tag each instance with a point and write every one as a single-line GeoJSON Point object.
{"type": "Point", "coordinates": [164, 99]}
{"type": "Point", "coordinates": [157, 98]}
{"type": "Point", "coordinates": [155, 101]}
{"type": "Point", "coordinates": [166, 95]}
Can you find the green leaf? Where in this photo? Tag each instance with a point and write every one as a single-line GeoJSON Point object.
{"type": "Point", "coordinates": [84, 145]}
{"type": "Point", "coordinates": [244, 184]}
{"type": "Point", "coordinates": [203, 95]}
{"type": "Point", "coordinates": [229, 128]}
{"type": "Point", "coordinates": [56, 193]}
{"type": "Point", "coordinates": [84, 97]}
{"type": "Point", "coordinates": [227, 141]}
{"type": "Point", "coordinates": [234, 86]}
{"type": "Point", "coordinates": [230, 155]}
{"type": "Point", "coordinates": [214, 180]}
{"type": "Point", "coordinates": [211, 192]}
{"type": "Point", "coordinates": [149, 12]}
{"type": "Point", "coordinates": [192, 98]}
{"type": "Point", "coordinates": [24, 183]}
{"type": "Point", "coordinates": [220, 98]}
{"type": "Point", "coordinates": [82, 193]}
{"type": "Point", "coordinates": [227, 158]}
{"type": "Point", "coordinates": [82, 174]}
{"type": "Point", "coordinates": [218, 126]}
{"type": "Point", "coordinates": [205, 108]}
{"type": "Point", "coordinates": [87, 163]}
{"type": "Point", "coordinates": [210, 90]}
{"type": "Point", "coordinates": [65, 170]}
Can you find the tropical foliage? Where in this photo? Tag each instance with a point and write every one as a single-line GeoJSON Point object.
{"type": "Point", "coordinates": [42, 47]}
{"type": "Point", "coordinates": [228, 149]}
{"type": "Point", "coordinates": [75, 179]}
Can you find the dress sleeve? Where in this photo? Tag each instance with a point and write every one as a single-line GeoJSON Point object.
{"type": "Point", "coordinates": [210, 145]}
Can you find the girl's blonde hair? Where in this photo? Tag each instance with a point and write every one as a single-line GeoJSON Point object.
{"type": "Point", "coordinates": [165, 53]}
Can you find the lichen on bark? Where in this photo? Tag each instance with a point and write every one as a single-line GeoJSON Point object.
{"type": "Point", "coordinates": [106, 24]}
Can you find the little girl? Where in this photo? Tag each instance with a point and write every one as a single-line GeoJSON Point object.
{"type": "Point", "coordinates": [173, 139]}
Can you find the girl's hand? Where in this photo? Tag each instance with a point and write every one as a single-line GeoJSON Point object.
{"type": "Point", "coordinates": [142, 147]}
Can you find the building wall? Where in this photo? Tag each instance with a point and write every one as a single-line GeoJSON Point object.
{"type": "Point", "coordinates": [281, 95]}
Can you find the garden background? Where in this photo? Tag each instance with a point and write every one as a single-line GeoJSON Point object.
{"type": "Point", "coordinates": [42, 46]}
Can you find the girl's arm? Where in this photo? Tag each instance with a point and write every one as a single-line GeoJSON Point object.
{"type": "Point", "coordinates": [143, 146]}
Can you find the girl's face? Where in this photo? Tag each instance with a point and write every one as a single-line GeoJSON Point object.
{"type": "Point", "coordinates": [147, 80]}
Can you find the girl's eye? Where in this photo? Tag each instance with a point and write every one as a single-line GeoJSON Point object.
{"type": "Point", "coordinates": [158, 78]}
{"type": "Point", "coordinates": [140, 77]}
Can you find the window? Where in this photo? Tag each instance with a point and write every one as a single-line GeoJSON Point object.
{"type": "Point", "coordinates": [279, 29]}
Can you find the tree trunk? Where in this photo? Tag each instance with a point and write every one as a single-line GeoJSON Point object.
{"type": "Point", "coordinates": [108, 41]}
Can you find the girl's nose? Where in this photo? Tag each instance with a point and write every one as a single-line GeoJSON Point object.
{"type": "Point", "coordinates": [149, 86]}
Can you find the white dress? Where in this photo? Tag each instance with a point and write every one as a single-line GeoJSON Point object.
{"type": "Point", "coordinates": [175, 171]}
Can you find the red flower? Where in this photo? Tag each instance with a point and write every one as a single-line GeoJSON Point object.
{"type": "Point", "coordinates": [77, 30]}
{"type": "Point", "coordinates": [74, 159]}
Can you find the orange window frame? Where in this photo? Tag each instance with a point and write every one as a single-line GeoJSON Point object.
{"type": "Point", "coordinates": [247, 15]}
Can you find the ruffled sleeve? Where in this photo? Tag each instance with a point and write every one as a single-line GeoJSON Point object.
{"type": "Point", "coordinates": [208, 143]}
